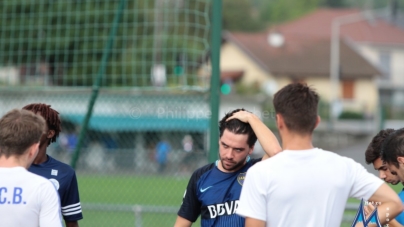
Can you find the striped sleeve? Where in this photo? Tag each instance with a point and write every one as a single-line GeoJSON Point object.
{"type": "Point", "coordinates": [71, 209]}
{"type": "Point", "coordinates": [70, 202]}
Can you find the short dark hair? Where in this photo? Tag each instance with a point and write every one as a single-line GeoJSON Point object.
{"type": "Point", "coordinates": [297, 103]}
{"type": "Point", "coordinates": [50, 115]}
{"type": "Point", "coordinates": [19, 129]}
{"type": "Point", "coordinates": [237, 127]}
{"type": "Point", "coordinates": [374, 148]}
{"type": "Point", "coordinates": [393, 147]}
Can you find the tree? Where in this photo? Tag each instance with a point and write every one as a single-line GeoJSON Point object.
{"type": "Point", "coordinates": [71, 35]}
{"type": "Point", "coordinates": [276, 11]}
{"type": "Point", "coordinates": [335, 3]}
{"type": "Point", "coordinates": [241, 15]}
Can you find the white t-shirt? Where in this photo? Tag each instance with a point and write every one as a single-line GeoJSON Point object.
{"type": "Point", "coordinates": [27, 200]}
{"type": "Point", "coordinates": [304, 188]}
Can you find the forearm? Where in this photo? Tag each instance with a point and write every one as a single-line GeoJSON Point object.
{"type": "Point", "coordinates": [392, 223]}
{"type": "Point", "coordinates": [387, 212]}
{"type": "Point", "coordinates": [182, 222]}
{"type": "Point", "coordinates": [390, 204]}
{"type": "Point", "coordinates": [267, 139]}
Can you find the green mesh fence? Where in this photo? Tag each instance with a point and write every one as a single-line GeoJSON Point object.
{"type": "Point", "coordinates": [154, 89]}
{"type": "Point", "coordinates": [60, 43]}
{"type": "Point", "coordinates": [120, 181]}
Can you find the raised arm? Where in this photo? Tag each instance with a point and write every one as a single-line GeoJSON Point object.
{"type": "Point", "coordinates": [267, 139]}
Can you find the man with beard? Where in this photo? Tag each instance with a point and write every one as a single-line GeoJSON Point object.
{"type": "Point", "coordinates": [214, 189]}
{"type": "Point", "coordinates": [372, 155]}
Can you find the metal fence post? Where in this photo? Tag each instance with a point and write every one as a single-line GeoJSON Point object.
{"type": "Point", "coordinates": [215, 78]}
{"type": "Point", "coordinates": [137, 209]}
{"type": "Point", "coordinates": [97, 84]}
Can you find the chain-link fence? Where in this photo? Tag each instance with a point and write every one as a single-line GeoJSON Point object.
{"type": "Point", "coordinates": [150, 122]}
{"type": "Point", "coordinates": [61, 43]}
{"type": "Point", "coordinates": [120, 167]}
{"type": "Point", "coordinates": [149, 127]}
{"type": "Point", "coordinates": [121, 181]}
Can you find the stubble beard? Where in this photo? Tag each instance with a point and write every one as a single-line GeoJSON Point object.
{"type": "Point", "coordinates": [236, 167]}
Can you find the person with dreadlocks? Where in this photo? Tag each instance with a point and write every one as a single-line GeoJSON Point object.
{"type": "Point", "coordinates": [60, 174]}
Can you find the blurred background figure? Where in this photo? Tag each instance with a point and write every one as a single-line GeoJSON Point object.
{"type": "Point", "coordinates": [188, 147]}
{"type": "Point", "coordinates": [187, 143]}
{"type": "Point", "coordinates": [162, 150]}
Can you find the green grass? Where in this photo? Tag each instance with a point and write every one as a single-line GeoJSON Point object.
{"type": "Point", "coordinates": [130, 190]}
{"type": "Point", "coordinates": [150, 190]}
{"type": "Point", "coordinates": [143, 190]}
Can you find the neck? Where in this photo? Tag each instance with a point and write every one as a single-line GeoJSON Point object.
{"type": "Point", "coordinates": [12, 161]}
{"type": "Point", "coordinates": [294, 141]}
{"type": "Point", "coordinates": [41, 157]}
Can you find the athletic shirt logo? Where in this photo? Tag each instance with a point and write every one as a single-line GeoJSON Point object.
{"type": "Point", "coordinates": [221, 209]}
{"type": "Point", "coordinates": [360, 217]}
{"type": "Point", "coordinates": [241, 178]}
{"type": "Point", "coordinates": [55, 183]}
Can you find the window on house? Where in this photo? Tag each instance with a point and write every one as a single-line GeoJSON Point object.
{"type": "Point", "coordinates": [348, 89]}
{"type": "Point", "coordinates": [385, 63]}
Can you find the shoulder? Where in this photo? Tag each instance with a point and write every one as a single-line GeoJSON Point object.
{"type": "Point", "coordinates": [62, 166]}
{"type": "Point", "coordinates": [202, 170]}
{"type": "Point", "coordinates": [332, 159]}
{"type": "Point", "coordinates": [38, 181]}
{"type": "Point", "coordinates": [35, 177]}
{"type": "Point", "coordinates": [341, 160]}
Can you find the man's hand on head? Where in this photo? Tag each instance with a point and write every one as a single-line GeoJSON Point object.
{"type": "Point", "coordinates": [243, 116]}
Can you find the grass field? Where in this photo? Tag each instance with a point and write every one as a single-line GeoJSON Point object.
{"type": "Point", "coordinates": [130, 190]}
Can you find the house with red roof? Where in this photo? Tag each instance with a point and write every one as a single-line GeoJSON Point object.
{"type": "Point", "coordinates": [371, 58]}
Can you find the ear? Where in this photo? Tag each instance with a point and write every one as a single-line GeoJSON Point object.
{"type": "Point", "coordinates": [400, 160]}
{"type": "Point", "coordinates": [33, 151]}
{"type": "Point", "coordinates": [251, 150]}
{"type": "Point", "coordinates": [50, 134]}
{"type": "Point", "coordinates": [280, 123]}
{"type": "Point", "coordinates": [318, 121]}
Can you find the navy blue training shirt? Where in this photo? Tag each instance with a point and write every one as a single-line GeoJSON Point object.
{"type": "Point", "coordinates": [64, 179]}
